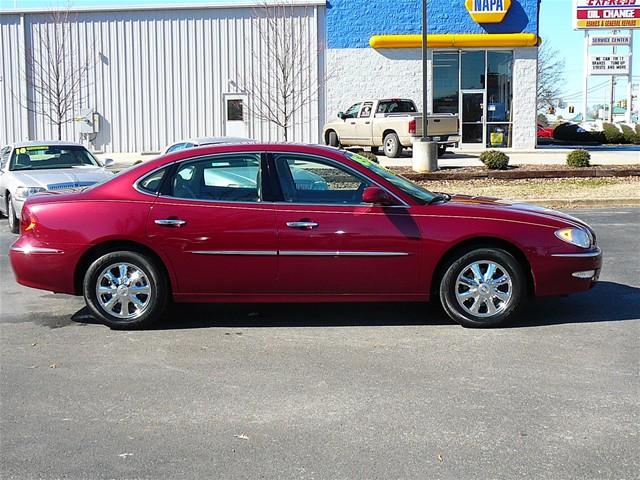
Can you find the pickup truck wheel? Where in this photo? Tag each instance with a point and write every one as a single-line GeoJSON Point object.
{"type": "Point", "coordinates": [392, 147]}
{"type": "Point", "coordinates": [442, 149]}
{"type": "Point", "coordinates": [333, 139]}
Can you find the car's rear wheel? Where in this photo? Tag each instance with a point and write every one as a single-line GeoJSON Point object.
{"type": "Point", "coordinates": [125, 290]}
{"type": "Point", "coordinates": [392, 147]}
{"type": "Point", "coordinates": [14, 223]}
{"type": "Point", "coordinates": [482, 287]}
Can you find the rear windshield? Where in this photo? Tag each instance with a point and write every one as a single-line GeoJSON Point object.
{"type": "Point", "coordinates": [396, 106]}
{"type": "Point", "coordinates": [43, 157]}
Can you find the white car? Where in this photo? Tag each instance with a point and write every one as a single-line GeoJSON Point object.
{"type": "Point", "coordinates": [27, 168]}
{"type": "Point", "coordinates": [196, 142]}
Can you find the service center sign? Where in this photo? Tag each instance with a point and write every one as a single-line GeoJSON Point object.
{"type": "Point", "coordinates": [609, 65]}
{"type": "Point", "coordinates": [606, 14]}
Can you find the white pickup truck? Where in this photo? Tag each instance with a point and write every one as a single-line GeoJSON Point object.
{"type": "Point", "coordinates": [389, 123]}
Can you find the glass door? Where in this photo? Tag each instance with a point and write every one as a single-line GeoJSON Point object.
{"type": "Point", "coordinates": [472, 117]}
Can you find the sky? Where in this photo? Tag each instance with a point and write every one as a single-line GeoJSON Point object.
{"type": "Point", "coordinates": [556, 29]}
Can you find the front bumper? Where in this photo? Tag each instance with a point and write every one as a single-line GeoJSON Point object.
{"type": "Point", "coordinates": [564, 273]}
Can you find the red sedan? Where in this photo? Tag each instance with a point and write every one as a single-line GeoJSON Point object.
{"type": "Point", "coordinates": [293, 223]}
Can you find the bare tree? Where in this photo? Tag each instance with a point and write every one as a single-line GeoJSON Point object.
{"type": "Point", "coordinates": [56, 71]}
{"type": "Point", "coordinates": [550, 76]}
{"type": "Point", "coordinates": [287, 54]}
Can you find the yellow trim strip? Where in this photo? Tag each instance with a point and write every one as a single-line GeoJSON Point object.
{"type": "Point", "coordinates": [456, 40]}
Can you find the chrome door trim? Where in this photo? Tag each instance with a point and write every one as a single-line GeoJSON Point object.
{"type": "Point", "coordinates": [304, 225]}
{"type": "Point", "coordinates": [329, 253]}
{"type": "Point", "coordinates": [170, 222]}
{"type": "Point", "coordinates": [597, 253]}
{"type": "Point", "coordinates": [235, 252]}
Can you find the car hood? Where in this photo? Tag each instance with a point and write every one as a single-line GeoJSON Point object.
{"type": "Point", "coordinates": [525, 211]}
{"type": "Point", "coordinates": [62, 178]}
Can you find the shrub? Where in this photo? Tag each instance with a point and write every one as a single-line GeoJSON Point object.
{"type": "Point", "coordinates": [579, 158]}
{"type": "Point", "coordinates": [637, 139]}
{"type": "Point", "coordinates": [570, 132]}
{"type": "Point", "coordinates": [369, 156]}
{"type": "Point", "coordinates": [612, 134]}
{"type": "Point", "coordinates": [495, 159]}
{"type": "Point", "coordinates": [629, 134]}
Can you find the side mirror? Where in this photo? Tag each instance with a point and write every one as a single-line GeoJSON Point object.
{"type": "Point", "coordinates": [108, 162]}
{"type": "Point", "coordinates": [377, 196]}
{"type": "Point", "coordinates": [341, 115]}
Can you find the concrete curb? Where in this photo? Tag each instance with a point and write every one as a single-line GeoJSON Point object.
{"type": "Point", "coordinates": [583, 202]}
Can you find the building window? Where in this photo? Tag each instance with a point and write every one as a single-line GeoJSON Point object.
{"type": "Point", "coordinates": [477, 85]}
{"type": "Point", "coordinates": [446, 82]}
{"type": "Point", "coordinates": [473, 69]}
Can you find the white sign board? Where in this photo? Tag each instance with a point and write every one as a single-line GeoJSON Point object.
{"type": "Point", "coordinates": [597, 40]}
{"type": "Point", "coordinates": [606, 14]}
{"type": "Point", "coordinates": [609, 65]}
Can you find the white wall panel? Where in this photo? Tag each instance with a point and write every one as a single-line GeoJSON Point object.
{"type": "Point", "coordinates": [159, 75]}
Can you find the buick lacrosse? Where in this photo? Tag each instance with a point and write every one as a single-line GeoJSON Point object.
{"type": "Point", "coordinates": [293, 223]}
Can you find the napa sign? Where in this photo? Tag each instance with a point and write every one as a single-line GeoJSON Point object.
{"type": "Point", "coordinates": [488, 11]}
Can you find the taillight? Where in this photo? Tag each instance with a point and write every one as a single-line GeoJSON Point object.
{"type": "Point", "coordinates": [412, 125]}
{"type": "Point", "coordinates": [27, 221]}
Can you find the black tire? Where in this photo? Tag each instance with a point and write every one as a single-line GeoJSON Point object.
{"type": "Point", "coordinates": [14, 222]}
{"type": "Point", "coordinates": [374, 150]}
{"type": "Point", "coordinates": [154, 277]}
{"type": "Point", "coordinates": [333, 139]}
{"type": "Point", "coordinates": [460, 310]}
{"type": "Point", "coordinates": [391, 145]}
{"type": "Point", "coordinates": [442, 149]}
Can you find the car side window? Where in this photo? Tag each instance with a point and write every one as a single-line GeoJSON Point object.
{"type": "Point", "coordinates": [176, 147]}
{"type": "Point", "coordinates": [353, 111]}
{"type": "Point", "coordinates": [152, 182]}
{"type": "Point", "coordinates": [224, 178]}
{"type": "Point", "coordinates": [308, 179]}
{"type": "Point", "coordinates": [4, 157]}
{"type": "Point", "coordinates": [366, 110]}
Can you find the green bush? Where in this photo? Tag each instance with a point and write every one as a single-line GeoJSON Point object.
{"type": "Point", "coordinates": [579, 158]}
{"type": "Point", "coordinates": [369, 156]}
{"type": "Point", "coordinates": [637, 139]}
{"type": "Point", "coordinates": [495, 159]}
{"type": "Point", "coordinates": [629, 134]}
{"type": "Point", "coordinates": [612, 134]}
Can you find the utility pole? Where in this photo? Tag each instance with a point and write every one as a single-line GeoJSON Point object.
{"type": "Point", "coordinates": [425, 152]}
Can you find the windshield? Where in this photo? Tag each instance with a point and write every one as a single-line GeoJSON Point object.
{"type": "Point", "coordinates": [420, 194]}
{"type": "Point", "coordinates": [41, 157]}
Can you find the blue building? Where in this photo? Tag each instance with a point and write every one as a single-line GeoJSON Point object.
{"type": "Point", "coordinates": [482, 62]}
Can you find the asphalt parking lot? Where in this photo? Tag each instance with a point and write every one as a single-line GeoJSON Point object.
{"type": "Point", "coordinates": [329, 391]}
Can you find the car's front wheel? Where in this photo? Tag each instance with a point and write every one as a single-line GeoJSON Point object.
{"type": "Point", "coordinates": [14, 223]}
{"type": "Point", "coordinates": [125, 290]}
{"type": "Point", "coordinates": [482, 287]}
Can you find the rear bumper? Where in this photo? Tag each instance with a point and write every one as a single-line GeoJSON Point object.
{"type": "Point", "coordinates": [566, 273]}
{"type": "Point", "coordinates": [45, 267]}
{"type": "Point", "coordinates": [448, 140]}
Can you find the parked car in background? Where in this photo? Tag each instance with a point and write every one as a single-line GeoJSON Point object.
{"type": "Point", "coordinates": [27, 168]}
{"type": "Point", "coordinates": [196, 142]}
{"type": "Point", "coordinates": [392, 124]}
{"type": "Point", "coordinates": [180, 227]}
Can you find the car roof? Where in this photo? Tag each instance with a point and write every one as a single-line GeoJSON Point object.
{"type": "Point", "coordinates": [213, 140]}
{"type": "Point", "coordinates": [44, 143]}
{"type": "Point", "coordinates": [249, 146]}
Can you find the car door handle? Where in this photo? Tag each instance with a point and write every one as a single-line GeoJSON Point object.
{"type": "Point", "coordinates": [170, 222]}
{"type": "Point", "coordinates": [303, 225]}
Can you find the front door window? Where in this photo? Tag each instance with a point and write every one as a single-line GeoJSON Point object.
{"type": "Point", "coordinates": [472, 117]}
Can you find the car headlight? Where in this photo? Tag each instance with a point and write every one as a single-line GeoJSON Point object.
{"type": "Point", "coordinates": [575, 236]}
{"type": "Point", "coordinates": [24, 192]}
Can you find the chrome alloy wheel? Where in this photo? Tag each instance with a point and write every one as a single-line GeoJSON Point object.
{"type": "Point", "coordinates": [484, 288]}
{"type": "Point", "coordinates": [123, 290]}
